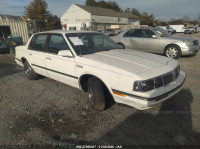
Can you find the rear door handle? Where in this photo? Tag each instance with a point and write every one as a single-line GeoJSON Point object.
{"type": "Point", "coordinates": [48, 58]}
{"type": "Point", "coordinates": [30, 54]}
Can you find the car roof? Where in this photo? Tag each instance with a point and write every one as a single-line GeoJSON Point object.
{"type": "Point", "coordinates": [66, 31]}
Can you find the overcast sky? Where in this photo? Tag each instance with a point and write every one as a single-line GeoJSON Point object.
{"type": "Point", "coordinates": [162, 9]}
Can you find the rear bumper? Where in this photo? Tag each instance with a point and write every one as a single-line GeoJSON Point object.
{"type": "Point", "coordinates": [143, 103]}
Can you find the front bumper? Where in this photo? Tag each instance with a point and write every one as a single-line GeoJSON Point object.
{"type": "Point", "coordinates": [190, 50]}
{"type": "Point", "coordinates": [143, 103]}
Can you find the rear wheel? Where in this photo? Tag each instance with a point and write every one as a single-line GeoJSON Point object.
{"type": "Point", "coordinates": [173, 51]}
{"type": "Point", "coordinates": [30, 74]}
{"type": "Point", "coordinates": [96, 94]}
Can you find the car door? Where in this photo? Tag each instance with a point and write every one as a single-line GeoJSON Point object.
{"type": "Point", "coordinates": [131, 39]}
{"type": "Point", "coordinates": [148, 42]}
{"type": "Point", "coordinates": [36, 53]}
{"type": "Point", "coordinates": [58, 67]}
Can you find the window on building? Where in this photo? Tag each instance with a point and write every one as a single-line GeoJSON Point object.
{"type": "Point", "coordinates": [72, 28]}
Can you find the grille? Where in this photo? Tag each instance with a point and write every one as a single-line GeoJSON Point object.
{"type": "Point", "coordinates": [168, 78]}
{"type": "Point", "coordinates": [196, 42]}
{"type": "Point", "coordinates": [158, 82]}
{"type": "Point", "coordinates": [176, 72]}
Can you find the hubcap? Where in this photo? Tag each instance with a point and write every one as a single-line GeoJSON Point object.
{"type": "Point", "coordinates": [91, 95]}
{"type": "Point", "coordinates": [172, 52]}
{"type": "Point", "coordinates": [28, 70]}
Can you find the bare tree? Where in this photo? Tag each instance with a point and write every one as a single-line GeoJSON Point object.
{"type": "Point", "coordinates": [186, 18]}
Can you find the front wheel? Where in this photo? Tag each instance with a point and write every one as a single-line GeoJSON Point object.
{"type": "Point", "coordinates": [96, 94]}
{"type": "Point", "coordinates": [173, 51]}
{"type": "Point", "coordinates": [30, 74]}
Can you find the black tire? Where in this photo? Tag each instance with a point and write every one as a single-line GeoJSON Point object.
{"type": "Point", "coordinates": [173, 51]}
{"type": "Point", "coordinates": [30, 74]}
{"type": "Point", "coordinates": [122, 45]}
{"type": "Point", "coordinates": [96, 94]}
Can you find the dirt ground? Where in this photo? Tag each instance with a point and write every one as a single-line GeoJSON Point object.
{"type": "Point", "coordinates": [46, 112]}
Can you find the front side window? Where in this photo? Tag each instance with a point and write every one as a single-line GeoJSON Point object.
{"type": "Point", "coordinates": [57, 43]}
{"type": "Point", "coordinates": [146, 33]}
{"type": "Point", "coordinates": [161, 32]}
{"type": "Point", "coordinates": [38, 42]}
{"type": "Point", "coordinates": [133, 33]}
{"type": "Point", "coordinates": [87, 43]}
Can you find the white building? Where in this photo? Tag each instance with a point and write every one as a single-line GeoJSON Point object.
{"type": "Point", "coordinates": [80, 17]}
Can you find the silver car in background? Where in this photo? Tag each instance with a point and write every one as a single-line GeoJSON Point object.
{"type": "Point", "coordinates": [156, 40]}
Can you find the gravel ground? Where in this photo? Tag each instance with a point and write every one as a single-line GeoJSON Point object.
{"type": "Point", "coordinates": [46, 112]}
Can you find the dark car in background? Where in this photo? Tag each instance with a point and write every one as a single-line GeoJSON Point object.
{"type": "Point", "coordinates": [8, 44]}
{"type": "Point", "coordinates": [3, 45]}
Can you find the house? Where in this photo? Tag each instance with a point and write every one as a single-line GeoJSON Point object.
{"type": "Point", "coordinates": [80, 17]}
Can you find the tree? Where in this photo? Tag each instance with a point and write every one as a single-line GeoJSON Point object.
{"type": "Point", "coordinates": [113, 5]}
{"type": "Point", "coordinates": [42, 19]}
{"type": "Point", "coordinates": [175, 22]}
{"type": "Point", "coordinates": [53, 22]}
{"type": "Point", "coordinates": [90, 3]}
{"type": "Point", "coordinates": [186, 19]}
{"type": "Point", "coordinates": [198, 18]}
{"type": "Point", "coordinates": [103, 4]}
{"type": "Point", "coordinates": [37, 10]}
{"type": "Point", "coordinates": [127, 10]}
{"type": "Point", "coordinates": [135, 12]}
{"type": "Point", "coordinates": [147, 19]}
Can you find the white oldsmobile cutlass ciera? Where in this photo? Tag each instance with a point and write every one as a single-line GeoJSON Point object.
{"type": "Point", "coordinates": [94, 63]}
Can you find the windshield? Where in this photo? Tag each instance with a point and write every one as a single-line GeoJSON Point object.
{"type": "Point", "coordinates": [161, 32]}
{"type": "Point", "coordinates": [87, 43]}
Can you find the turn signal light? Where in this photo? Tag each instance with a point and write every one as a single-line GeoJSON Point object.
{"type": "Point", "coordinates": [119, 94]}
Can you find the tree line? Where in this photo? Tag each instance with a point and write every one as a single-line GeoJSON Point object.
{"type": "Point", "coordinates": [145, 18]}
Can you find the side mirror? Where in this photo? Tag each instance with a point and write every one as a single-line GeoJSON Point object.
{"type": "Point", "coordinates": [154, 36]}
{"type": "Point", "coordinates": [65, 53]}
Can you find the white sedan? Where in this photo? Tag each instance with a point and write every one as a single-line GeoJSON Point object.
{"type": "Point", "coordinates": [94, 63]}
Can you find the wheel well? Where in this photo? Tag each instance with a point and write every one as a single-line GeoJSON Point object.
{"type": "Point", "coordinates": [23, 60]}
{"type": "Point", "coordinates": [120, 43]}
{"type": "Point", "coordinates": [171, 45]}
{"type": "Point", "coordinates": [84, 79]}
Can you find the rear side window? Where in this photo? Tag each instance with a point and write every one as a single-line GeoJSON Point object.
{"type": "Point", "coordinates": [133, 33]}
{"type": "Point", "coordinates": [57, 43]}
{"type": "Point", "coordinates": [38, 43]}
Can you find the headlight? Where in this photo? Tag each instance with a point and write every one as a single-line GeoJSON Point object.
{"type": "Point", "coordinates": [141, 86]}
{"type": "Point", "coordinates": [137, 86]}
{"type": "Point", "coordinates": [188, 43]}
{"type": "Point", "coordinates": [150, 84]}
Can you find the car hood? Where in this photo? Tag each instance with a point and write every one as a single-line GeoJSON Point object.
{"type": "Point", "coordinates": [126, 62]}
{"type": "Point", "coordinates": [181, 38]}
